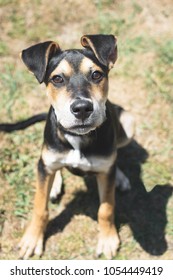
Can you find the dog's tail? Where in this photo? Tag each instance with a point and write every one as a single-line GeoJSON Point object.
{"type": "Point", "coordinates": [10, 127]}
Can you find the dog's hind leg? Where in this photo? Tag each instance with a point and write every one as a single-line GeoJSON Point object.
{"type": "Point", "coordinates": [122, 182]}
{"type": "Point", "coordinates": [56, 187]}
{"type": "Point", "coordinates": [125, 135]}
{"type": "Point", "coordinates": [126, 128]}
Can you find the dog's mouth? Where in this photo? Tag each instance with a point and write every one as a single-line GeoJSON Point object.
{"type": "Point", "coordinates": [84, 127]}
{"type": "Point", "coordinates": [81, 126]}
{"type": "Point", "coordinates": [81, 129]}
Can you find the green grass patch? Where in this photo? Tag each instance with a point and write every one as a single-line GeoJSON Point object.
{"type": "Point", "coordinates": [7, 2]}
{"type": "Point", "coordinates": [155, 173]}
{"type": "Point", "coordinates": [159, 76]}
{"type": "Point", "coordinates": [18, 27]}
{"type": "Point", "coordinates": [18, 167]}
{"type": "Point", "coordinates": [4, 50]}
{"type": "Point", "coordinates": [15, 84]}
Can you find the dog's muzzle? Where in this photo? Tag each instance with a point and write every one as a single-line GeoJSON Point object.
{"type": "Point", "coordinates": [81, 109]}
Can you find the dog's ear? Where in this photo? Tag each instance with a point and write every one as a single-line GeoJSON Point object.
{"type": "Point", "coordinates": [36, 58]}
{"type": "Point", "coordinates": [103, 46]}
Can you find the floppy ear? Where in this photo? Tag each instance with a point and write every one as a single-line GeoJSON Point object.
{"type": "Point", "coordinates": [36, 58]}
{"type": "Point", "coordinates": [103, 46]}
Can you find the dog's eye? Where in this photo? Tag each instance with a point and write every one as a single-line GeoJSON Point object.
{"type": "Point", "coordinates": [57, 79]}
{"type": "Point", "coordinates": [96, 75]}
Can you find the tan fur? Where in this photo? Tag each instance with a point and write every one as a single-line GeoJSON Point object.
{"type": "Point", "coordinates": [108, 236]}
{"type": "Point", "coordinates": [32, 241]}
{"type": "Point", "coordinates": [63, 67]}
{"type": "Point", "coordinates": [86, 65]}
{"type": "Point", "coordinates": [86, 42]}
{"type": "Point", "coordinates": [57, 97]}
{"type": "Point", "coordinates": [98, 91]}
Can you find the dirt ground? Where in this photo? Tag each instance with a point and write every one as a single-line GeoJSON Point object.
{"type": "Point", "coordinates": [141, 82]}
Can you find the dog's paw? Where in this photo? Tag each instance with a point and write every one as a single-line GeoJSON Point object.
{"type": "Point", "coordinates": [31, 243]}
{"type": "Point", "coordinates": [122, 182]}
{"type": "Point", "coordinates": [108, 245]}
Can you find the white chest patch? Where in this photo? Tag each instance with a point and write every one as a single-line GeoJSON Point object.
{"type": "Point", "coordinates": [75, 159]}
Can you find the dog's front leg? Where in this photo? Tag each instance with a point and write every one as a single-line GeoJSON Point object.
{"type": "Point", "coordinates": [108, 242]}
{"type": "Point", "coordinates": [32, 241]}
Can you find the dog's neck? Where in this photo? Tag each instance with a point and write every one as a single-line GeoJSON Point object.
{"type": "Point", "coordinates": [78, 141]}
{"type": "Point", "coordinates": [74, 141]}
{"type": "Point", "coordinates": [75, 157]}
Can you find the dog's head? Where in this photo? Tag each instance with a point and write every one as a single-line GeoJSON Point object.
{"type": "Point", "coordinates": [76, 79]}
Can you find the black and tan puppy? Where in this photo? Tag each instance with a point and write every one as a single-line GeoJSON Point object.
{"type": "Point", "coordinates": [82, 133]}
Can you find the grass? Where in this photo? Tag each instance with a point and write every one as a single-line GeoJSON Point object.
{"type": "Point", "coordinates": [15, 84]}
{"type": "Point", "coordinates": [159, 76]}
{"type": "Point", "coordinates": [152, 170]}
{"type": "Point", "coordinates": [22, 164]}
{"type": "Point", "coordinates": [145, 61]}
{"type": "Point", "coordinates": [3, 49]}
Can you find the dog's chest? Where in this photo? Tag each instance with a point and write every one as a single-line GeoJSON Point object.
{"type": "Point", "coordinates": [75, 159]}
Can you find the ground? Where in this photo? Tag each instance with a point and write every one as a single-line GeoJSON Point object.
{"type": "Point", "coordinates": [141, 82]}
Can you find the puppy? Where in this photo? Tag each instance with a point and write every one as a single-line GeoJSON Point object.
{"type": "Point", "coordinates": [82, 133]}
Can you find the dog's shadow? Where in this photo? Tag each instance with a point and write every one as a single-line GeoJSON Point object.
{"type": "Point", "coordinates": [144, 212]}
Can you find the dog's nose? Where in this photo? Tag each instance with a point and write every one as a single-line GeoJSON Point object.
{"type": "Point", "coordinates": [82, 109]}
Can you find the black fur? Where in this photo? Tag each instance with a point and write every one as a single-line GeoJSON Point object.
{"type": "Point", "coordinates": [8, 127]}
